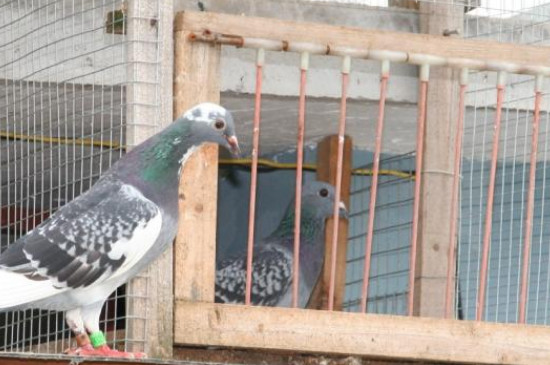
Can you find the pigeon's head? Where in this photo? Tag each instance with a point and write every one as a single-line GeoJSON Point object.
{"type": "Point", "coordinates": [319, 196]}
{"type": "Point", "coordinates": [317, 206]}
{"type": "Point", "coordinates": [213, 123]}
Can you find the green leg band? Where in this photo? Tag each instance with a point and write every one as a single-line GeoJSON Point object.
{"type": "Point", "coordinates": [98, 339]}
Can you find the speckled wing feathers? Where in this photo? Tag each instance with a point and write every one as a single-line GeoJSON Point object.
{"type": "Point", "coordinates": [81, 243]}
{"type": "Point", "coordinates": [271, 277]}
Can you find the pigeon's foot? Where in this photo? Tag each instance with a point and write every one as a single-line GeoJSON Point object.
{"type": "Point", "coordinates": [86, 349]}
{"type": "Point", "coordinates": [82, 341]}
{"type": "Point", "coordinates": [106, 351]}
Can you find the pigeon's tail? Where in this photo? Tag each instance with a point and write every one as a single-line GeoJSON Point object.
{"type": "Point", "coordinates": [18, 290]}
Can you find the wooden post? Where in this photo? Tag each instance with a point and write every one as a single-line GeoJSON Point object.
{"type": "Point", "coordinates": [437, 176]}
{"type": "Point", "coordinates": [196, 79]}
{"type": "Point", "coordinates": [326, 171]}
{"type": "Point", "coordinates": [149, 295]}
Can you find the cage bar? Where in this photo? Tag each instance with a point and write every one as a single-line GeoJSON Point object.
{"type": "Point", "coordinates": [501, 83]}
{"type": "Point", "coordinates": [260, 56]}
{"type": "Point", "coordinates": [397, 56]}
{"type": "Point", "coordinates": [530, 202]}
{"type": "Point", "coordinates": [385, 74]}
{"type": "Point", "coordinates": [304, 64]}
{"type": "Point", "coordinates": [421, 122]}
{"type": "Point", "coordinates": [451, 263]}
{"type": "Point", "coordinates": [346, 67]}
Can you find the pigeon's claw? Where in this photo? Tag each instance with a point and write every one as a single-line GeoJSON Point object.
{"type": "Point", "coordinates": [104, 351]}
{"type": "Point", "coordinates": [78, 350]}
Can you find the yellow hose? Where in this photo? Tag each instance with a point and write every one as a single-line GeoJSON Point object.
{"type": "Point", "coordinates": [234, 162]}
{"type": "Point", "coordinates": [311, 167]}
{"type": "Point", "coordinates": [60, 140]}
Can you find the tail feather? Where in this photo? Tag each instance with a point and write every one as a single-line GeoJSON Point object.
{"type": "Point", "coordinates": [17, 290]}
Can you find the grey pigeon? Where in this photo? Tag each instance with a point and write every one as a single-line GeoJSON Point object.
{"type": "Point", "coordinates": [97, 242]}
{"type": "Point", "coordinates": [272, 265]}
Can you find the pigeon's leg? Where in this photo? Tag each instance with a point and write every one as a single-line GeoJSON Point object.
{"type": "Point", "coordinates": [99, 347]}
{"type": "Point", "coordinates": [74, 320]}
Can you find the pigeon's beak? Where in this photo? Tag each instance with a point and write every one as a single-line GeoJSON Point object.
{"type": "Point", "coordinates": [342, 211]}
{"type": "Point", "coordinates": [233, 145]}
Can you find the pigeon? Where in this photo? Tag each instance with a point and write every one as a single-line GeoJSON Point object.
{"type": "Point", "coordinates": [272, 265]}
{"type": "Point", "coordinates": [77, 257]}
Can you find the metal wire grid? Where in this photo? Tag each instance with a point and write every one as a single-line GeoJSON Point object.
{"type": "Point", "coordinates": [517, 22]}
{"type": "Point", "coordinates": [63, 103]}
{"type": "Point", "coordinates": [509, 208]}
{"type": "Point", "coordinates": [390, 255]}
{"type": "Point", "coordinates": [525, 25]}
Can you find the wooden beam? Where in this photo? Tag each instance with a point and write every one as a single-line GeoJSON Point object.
{"type": "Point", "coordinates": [254, 357]}
{"type": "Point", "coordinates": [196, 73]}
{"type": "Point", "coordinates": [357, 37]}
{"type": "Point", "coordinates": [50, 359]}
{"type": "Point", "coordinates": [438, 165]}
{"type": "Point", "coordinates": [327, 151]}
{"type": "Point", "coordinates": [372, 335]}
{"type": "Point", "coordinates": [149, 304]}
{"type": "Point", "coordinates": [196, 79]}
{"type": "Point", "coordinates": [404, 4]}
{"type": "Point", "coordinates": [195, 247]}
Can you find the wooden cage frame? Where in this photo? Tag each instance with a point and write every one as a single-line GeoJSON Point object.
{"type": "Point", "coordinates": [192, 314]}
{"type": "Point", "coordinates": [200, 322]}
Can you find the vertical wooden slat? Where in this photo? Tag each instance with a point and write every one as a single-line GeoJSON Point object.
{"type": "Point", "coordinates": [326, 171]}
{"type": "Point", "coordinates": [437, 179]}
{"type": "Point", "coordinates": [196, 79]}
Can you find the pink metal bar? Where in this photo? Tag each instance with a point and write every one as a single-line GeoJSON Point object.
{"type": "Point", "coordinates": [338, 187]}
{"type": "Point", "coordinates": [421, 121]}
{"type": "Point", "coordinates": [529, 214]}
{"type": "Point", "coordinates": [298, 193]}
{"type": "Point", "coordinates": [454, 201]}
{"type": "Point", "coordinates": [489, 209]}
{"type": "Point", "coordinates": [254, 175]}
{"type": "Point", "coordinates": [374, 188]}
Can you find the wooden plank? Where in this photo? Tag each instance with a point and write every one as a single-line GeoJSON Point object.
{"type": "Point", "coordinates": [378, 336]}
{"type": "Point", "coordinates": [405, 4]}
{"type": "Point", "coordinates": [196, 79]}
{"type": "Point", "coordinates": [327, 153]}
{"type": "Point", "coordinates": [438, 165]}
{"type": "Point", "coordinates": [196, 73]}
{"type": "Point", "coordinates": [195, 247]}
{"type": "Point", "coordinates": [254, 357]}
{"type": "Point", "coordinates": [47, 359]}
{"type": "Point", "coordinates": [194, 356]}
{"type": "Point", "coordinates": [150, 304]}
{"type": "Point", "coordinates": [357, 37]}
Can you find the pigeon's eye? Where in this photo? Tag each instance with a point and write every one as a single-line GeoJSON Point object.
{"type": "Point", "coordinates": [323, 192]}
{"type": "Point", "coordinates": [219, 124]}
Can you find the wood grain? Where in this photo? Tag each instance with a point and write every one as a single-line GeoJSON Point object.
{"type": "Point", "coordinates": [436, 45]}
{"type": "Point", "coordinates": [327, 153]}
{"type": "Point", "coordinates": [370, 335]}
{"type": "Point", "coordinates": [196, 80]}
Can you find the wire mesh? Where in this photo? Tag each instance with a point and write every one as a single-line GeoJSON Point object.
{"type": "Point", "coordinates": [389, 274]}
{"type": "Point", "coordinates": [522, 23]}
{"type": "Point", "coordinates": [65, 75]}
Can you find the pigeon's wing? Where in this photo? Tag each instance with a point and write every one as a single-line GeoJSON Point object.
{"type": "Point", "coordinates": [90, 239]}
{"type": "Point", "coordinates": [271, 277]}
